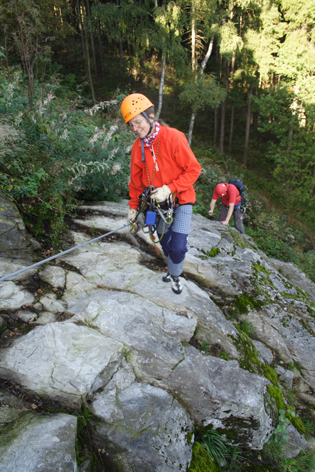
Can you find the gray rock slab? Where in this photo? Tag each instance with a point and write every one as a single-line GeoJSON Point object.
{"type": "Point", "coordinates": [8, 265]}
{"type": "Point", "coordinates": [61, 361]}
{"type": "Point", "coordinates": [26, 315]}
{"type": "Point", "coordinates": [54, 276]}
{"type": "Point", "coordinates": [113, 208]}
{"type": "Point", "coordinates": [105, 223]}
{"type": "Point", "coordinates": [40, 443]}
{"type": "Point", "coordinates": [76, 283]}
{"type": "Point", "coordinates": [287, 334]}
{"type": "Point", "coordinates": [295, 276]}
{"type": "Point", "coordinates": [220, 393]}
{"type": "Point", "coordinates": [51, 303]}
{"type": "Point", "coordinates": [285, 375]}
{"type": "Point", "coordinates": [78, 237]}
{"type": "Point", "coordinates": [15, 241]}
{"type": "Point", "coordinates": [212, 273]}
{"type": "Point", "coordinates": [265, 354]}
{"type": "Point", "coordinates": [152, 333]}
{"type": "Point", "coordinates": [12, 297]}
{"type": "Point", "coordinates": [124, 274]}
{"type": "Point", "coordinates": [147, 427]}
{"type": "Point", "coordinates": [44, 318]}
{"type": "Point", "coordinates": [99, 256]}
{"type": "Point", "coordinates": [295, 444]}
{"type": "Point", "coordinates": [203, 239]}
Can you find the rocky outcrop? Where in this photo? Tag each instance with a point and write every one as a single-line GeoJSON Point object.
{"type": "Point", "coordinates": [32, 442]}
{"type": "Point", "coordinates": [106, 336]}
{"type": "Point", "coordinates": [15, 242]}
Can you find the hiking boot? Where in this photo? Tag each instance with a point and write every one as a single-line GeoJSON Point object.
{"type": "Point", "coordinates": [176, 285]}
{"type": "Point", "coordinates": [166, 277]}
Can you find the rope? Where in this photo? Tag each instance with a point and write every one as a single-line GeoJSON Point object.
{"type": "Point", "coordinates": [202, 205]}
{"type": "Point", "coordinates": [61, 254]}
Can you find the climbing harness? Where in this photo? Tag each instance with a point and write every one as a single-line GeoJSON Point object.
{"type": "Point", "coordinates": [152, 210]}
{"type": "Point", "coordinates": [60, 254]}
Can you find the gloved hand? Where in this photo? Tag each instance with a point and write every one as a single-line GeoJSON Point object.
{"type": "Point", "coordinates": [160, 194]}
{"type": "Point", "coordinates": [131, 215]}
{"type": "Point", "coordinates": [211, 212]}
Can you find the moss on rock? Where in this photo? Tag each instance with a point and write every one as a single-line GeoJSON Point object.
{"type": "Point", "coordinates": [201, 460]}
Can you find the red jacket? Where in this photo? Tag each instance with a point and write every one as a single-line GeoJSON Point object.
{"type": "Point", "coordinates": [176, 167]}
{"type": "Point", "coordinates": [232, 195]}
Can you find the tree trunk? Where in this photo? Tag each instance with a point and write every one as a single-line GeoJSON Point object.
{"type": "Point", "coordinates": [232, 110]}
{"type": "Point", "coordinates": [203, 65]}
{"type": "Point", "coordinates": [81, 30]}
{"type": "Point", "coordinates": [231, 130]}
{"type": "Point", "coordinates": [215, 131]}
{"type": "Point", "coordinates": [223, 108]}
{"type": "Point", "coordinates": [5, 46]}
{"type": "Point", "coordinates": [313, 186]}
{"type": "Point", "coordinates": [161, 84]}
{"type": "Point", "coordinates": [101, 51]}
{"type": "Point", "coordinates": [193, 36]}
{"type": "Point", "coordinates": [248, 117]}
{"type": "Point", "coordinates": [91, 35]}
{"type": "Point", "coordinates": [191, 127]}
{"type": "Point", "coordinates": [88, 63]}
{"type": "Point", "coordinates": [120, 40]}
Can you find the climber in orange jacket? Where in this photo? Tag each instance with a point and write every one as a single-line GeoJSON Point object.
{"type": "Point", "coordinates": [162, 160]}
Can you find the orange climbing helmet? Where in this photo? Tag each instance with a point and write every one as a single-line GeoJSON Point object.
{"type": "Point", "coordinates": [133, 105]}
{"type": "Point", "coordinates": [221, 189]}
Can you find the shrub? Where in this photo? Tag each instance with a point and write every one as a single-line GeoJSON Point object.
{"type": "Point", "coordinates": [60, 151]}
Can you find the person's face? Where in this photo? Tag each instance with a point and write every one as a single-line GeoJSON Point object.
{"type": "Point", "coordinates": [140, 125]}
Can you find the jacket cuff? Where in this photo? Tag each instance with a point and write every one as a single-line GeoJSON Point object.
{"type": "Point", "coordinates": [172, 188]}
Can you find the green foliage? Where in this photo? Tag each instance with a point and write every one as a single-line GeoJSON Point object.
{"type": "Point", "coordinates": [213, 252]}
{"type": "Point", "coordinates": [244, 303]}
{"type": "Point", "coordinates": [274, 235]}
{"type": "Point", "coordinates": [274, 450]}
{"type": "Point", "coordinates": [59, 151]}
{"type": "Point", "coordinates": [214, 444]}
{"type": "Point", "coordinates": [202, 92]}
{"type": "Point", "coordinates": [291, 151]}
{"type": "Point", "coordinates": [247, 327]}
{"type": "Point", "coordinates": [277, 395]}
{"type": "Point", "coordinates": [201, 460]}
{"type": "Point", "coordinates": [270, 374]}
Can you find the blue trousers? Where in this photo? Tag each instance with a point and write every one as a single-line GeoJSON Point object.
{"type": "Point", "coordinates": [175, 238]}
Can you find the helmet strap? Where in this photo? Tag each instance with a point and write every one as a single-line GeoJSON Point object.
{"type": "Point", "coordinates": [149, 132]}
{"type": "Point", "coordinates": [150, 122]}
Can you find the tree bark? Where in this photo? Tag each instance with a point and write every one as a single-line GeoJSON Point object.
{"type": "Point", "coordinates": [81, 30]}
{"type": "Point", "coordinates": [191, 127]}
{"type": "Point", "coordinates": [215, 130]}
{"type": "Point", "coordinates": [101, 51]}
{"type": "Point", "coordinates": [203, 65]}
{"type": "Point", "coordinates": [223, 108]}
{"type": "Point", "coordinates": [161, 84]}
{"type": "Point", "coordinates": [5, 46]}
{"type": "Point", "coordinates": [193, 37]}
{"type": "Point", "coordinates": [248, 117]}
{"type": "Point", "coordinates": [91, 35]}
{"type": "Point", "coordinates": [121, 59]}
{"type": "Point", "coordinates": [88, 63]}
{"type": "Point", "coordinates": [232, 110]}
{"type": "Point", "coordinates": [231, 130]}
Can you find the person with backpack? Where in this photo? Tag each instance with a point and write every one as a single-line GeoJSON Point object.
{"type": "Point", "coordinates": [232, 199]}
{"type": "Point", "coordinates": [163, 167]}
